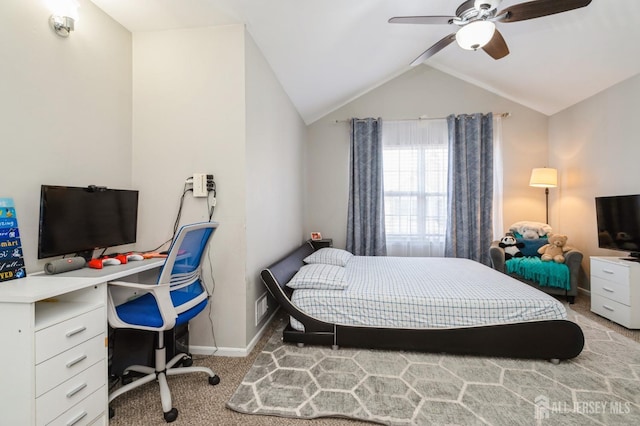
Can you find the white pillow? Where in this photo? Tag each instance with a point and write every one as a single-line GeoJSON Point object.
{"type": "Point", "coordinates": [329, 256]}
{"type": "Point", "coordinates": [319, 276]}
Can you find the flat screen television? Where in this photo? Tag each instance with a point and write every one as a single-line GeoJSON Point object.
{"type": "Point", "coordinates": [618, 220]}
{"type": "Point", "coordinates": [79, 220]}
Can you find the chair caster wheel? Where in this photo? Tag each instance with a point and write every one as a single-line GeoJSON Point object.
{"type": "Point", "coordinates": [187, 361]}
{"type": "Point", "coordinates": [214, 380]}
{"type": "Point", "coordinates": [171, 415]}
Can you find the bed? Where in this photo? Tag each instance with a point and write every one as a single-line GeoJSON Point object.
{"type": "Point", "coordinates": [443, 305]}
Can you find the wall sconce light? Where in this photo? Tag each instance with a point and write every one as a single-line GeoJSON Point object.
{"type": "Point", "coordinates": [62, 25]}
{"type": "Point", "coordinates": [546, 178]}
{"type": "Point", "coordinates": [64, 14]}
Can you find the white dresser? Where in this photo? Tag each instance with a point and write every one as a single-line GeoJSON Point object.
{"type": "Point", "coordinates": [54, 356]}
{"type": "Point", "coordinates": [615, 290]}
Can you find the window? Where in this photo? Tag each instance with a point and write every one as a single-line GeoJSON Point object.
{"type": "Point", "coordinates": [415, 161]}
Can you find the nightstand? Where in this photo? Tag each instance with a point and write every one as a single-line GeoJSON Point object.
{"type": "Point", "coordinates": [318, 244]}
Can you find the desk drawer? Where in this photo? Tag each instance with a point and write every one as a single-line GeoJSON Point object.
{"type": "Point", "coordinates": [58, 338]}
{"type": "Point", "coordinates": [611, 290]}
{"type": "Point", "coordinates": [56, 370]}
{"type": "Point", "coordinates": [66, 395]}
{"type": "Point", "coordinates": [615, 311]}
{"type": "Point", "coordinates": [610, 271]}
{"type": "Point", "coordinates": [85, 412]}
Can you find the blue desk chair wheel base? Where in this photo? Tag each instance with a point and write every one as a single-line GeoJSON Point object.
{"type": "Point", "coordinates": [178, 297]}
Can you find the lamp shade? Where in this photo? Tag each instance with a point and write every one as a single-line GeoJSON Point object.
{"type": "Point", "coordinates": [475, 34]}
{"type": "Point", "coordinates": [544, 178]}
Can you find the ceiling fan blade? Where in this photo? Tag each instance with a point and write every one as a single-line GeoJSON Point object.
{"type": "Point", "coordinates": [434, 49]}
{"type": "Point", "coordinates": [497, 47]}
{"type": "Point", "coordinates": [430, 20]}
{"type": "Point", "coordinates": [539, 8]}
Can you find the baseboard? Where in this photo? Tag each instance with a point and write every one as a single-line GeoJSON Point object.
{"type": "Point", "coordinates": [233, 352]}
{"type": "Point", "coordinates": [584, 290]}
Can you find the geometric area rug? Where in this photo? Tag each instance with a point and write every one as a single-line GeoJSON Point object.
{"type": "Point", "coordinates": [601, 386]}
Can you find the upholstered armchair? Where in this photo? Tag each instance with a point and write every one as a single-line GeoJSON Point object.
{"type": "Point", "coordinates": [573, 260]}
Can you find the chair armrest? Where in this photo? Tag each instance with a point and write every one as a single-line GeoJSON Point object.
{"type": "Point", "coordinates": [160, 292]}
{"type": "Point", "coordinates": [497, 256]}
{"type": "Point", "coordinates": [121, 291]}
{"type": "Point", "coordinates": [573, 260]}
{"type": "Point", "coordinates": [145, 287]}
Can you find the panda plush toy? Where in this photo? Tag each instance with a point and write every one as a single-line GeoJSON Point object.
{"type": "Point", "coordinates": [511, 246]}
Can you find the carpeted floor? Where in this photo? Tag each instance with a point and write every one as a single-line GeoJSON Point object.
{"type": "Point", "coordinates": [202, 404]}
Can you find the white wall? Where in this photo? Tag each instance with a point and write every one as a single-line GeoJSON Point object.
{"type": "Point", "coordinates": [189, 116]}
{"type": "Point", "coordinates": [205, 100]}
{"type": "Point", "coordinates": [65, 108]}
{"type": "Point", "coordinates": [594, 145]}
{"type": "Point", "coordinates": [274, 171]}
{"type": "Point", "coordinates": [421, 91]}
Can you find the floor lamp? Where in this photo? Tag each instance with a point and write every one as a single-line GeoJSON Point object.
{"type": "Point", "coordinates": [546, 178]}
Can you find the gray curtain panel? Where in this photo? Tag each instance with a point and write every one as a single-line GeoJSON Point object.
{"type": "Point", "coordinates": [470, 183]}
{"type": "Point", "coordinates": [365, 222]}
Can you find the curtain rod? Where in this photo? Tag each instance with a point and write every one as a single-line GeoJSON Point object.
{"type": "Point", "coordinates": [497, 114]}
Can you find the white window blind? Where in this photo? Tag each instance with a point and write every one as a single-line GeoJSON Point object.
{"type": "Point", "coordinates": [415, 162]}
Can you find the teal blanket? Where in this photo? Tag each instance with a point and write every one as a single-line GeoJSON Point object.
{"type": "Point", "coordinates": [549, 274]}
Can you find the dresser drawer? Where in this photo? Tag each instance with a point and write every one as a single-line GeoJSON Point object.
{"type": "Point", "coordinates": [69, 393]}
{"type": "Point", "coordinates": [85, 412]}
{"type": "Point", "coordinates": [610, 271]}
{"type": "Point", "coordinates": [56, 370]}
{"type": "Point", "coordinates": [615, 311]}
{"type": "Point", "coordinates": [611, 290]}
{"type": "Point", "coordinates": [58, 338]}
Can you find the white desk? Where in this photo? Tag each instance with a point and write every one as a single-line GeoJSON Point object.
{"type": "Point", "coordinates": [53, 329]}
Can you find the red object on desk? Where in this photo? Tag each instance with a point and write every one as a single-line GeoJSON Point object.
{"type": "Point", "coordinates": [153, 255]}
{"type": "Point", "coordinates": [95, 264]}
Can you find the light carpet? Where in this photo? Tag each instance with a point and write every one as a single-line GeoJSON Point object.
{"type": "Point", "coordinates": [599, 387]}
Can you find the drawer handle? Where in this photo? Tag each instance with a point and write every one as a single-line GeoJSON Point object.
{"type": "Point", "coordinates": [76, 331]}
{"type": "Point", "coordinates": [608, 289]}
{"type": "Point", "coordinates": [77, 360]}
{"type": "Point", "coordinates": [607, 271]}
{"type": "Point", "coordinates": [77, 418]}
{"type": "Point", "coordinates": [76, 390]}
{"type": "Point", "coordinates": [608, 308]}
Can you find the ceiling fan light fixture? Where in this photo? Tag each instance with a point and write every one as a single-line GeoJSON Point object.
{"type": "Point", "coordinates": [475, 35]}
{"type": "Point", "coordinates": [486, 4]}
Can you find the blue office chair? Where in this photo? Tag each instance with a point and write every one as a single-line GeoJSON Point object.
{"type": "Point", "coordinates": [178, 297]}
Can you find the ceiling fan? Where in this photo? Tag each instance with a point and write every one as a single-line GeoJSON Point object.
{"type": "Point", "coordinates": [476, 19]}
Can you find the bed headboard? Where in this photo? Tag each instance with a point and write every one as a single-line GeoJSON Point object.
{"type": "Point", "coordinates": [276, 277]}
{"type": "Point", "coordinates": [281, 272]}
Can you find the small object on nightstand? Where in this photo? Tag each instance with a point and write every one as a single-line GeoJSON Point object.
{"type": "Point", "coordinates": [316, 236]}
{"type": "Point", "coordinates": [321, 243]}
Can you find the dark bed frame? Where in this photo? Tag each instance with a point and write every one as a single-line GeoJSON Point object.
{"type": "Point", "coordinates": [552, 339]}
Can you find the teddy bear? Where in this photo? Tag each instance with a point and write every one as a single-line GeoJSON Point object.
{"type": "Point", "coordinates": [554, 249]}
{"type": "Point", "coordinates": [530, 230]}
{"type": "Point", "coordinates": [511, 246]}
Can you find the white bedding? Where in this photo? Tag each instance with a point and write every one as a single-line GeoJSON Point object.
{"type": "Point", "coordinates": [401, 292]}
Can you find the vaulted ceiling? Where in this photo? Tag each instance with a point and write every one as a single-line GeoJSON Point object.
{"type": "Point", "coordinates": [328, 52]}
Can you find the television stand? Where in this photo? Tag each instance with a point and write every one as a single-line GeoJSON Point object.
{"type": "Point", "coordinates": [615, 293]}
{"type": "Point", "coordinates": [86, 254]}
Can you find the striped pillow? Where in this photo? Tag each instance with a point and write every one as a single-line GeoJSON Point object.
{"type": "Point", "coordinates": [329, 256]}
{"type": "Point", "coordinates": [318, 276]}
